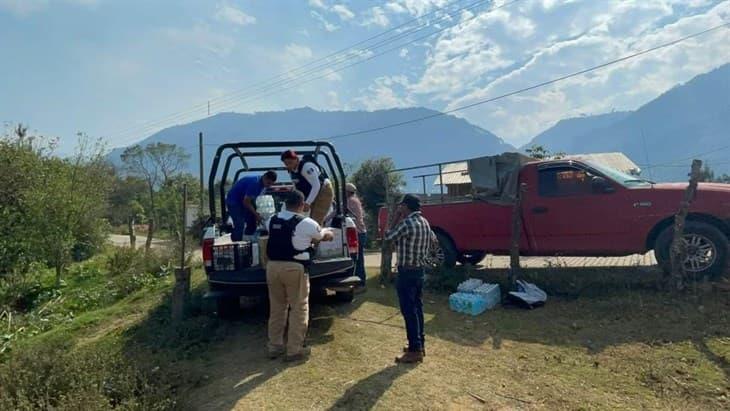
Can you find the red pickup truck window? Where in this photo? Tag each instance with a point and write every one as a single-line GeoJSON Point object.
{"type": "Point", "coordinates": [565, 181]}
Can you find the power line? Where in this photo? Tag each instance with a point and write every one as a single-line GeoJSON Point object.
{"type": "Point", "coordinates": [265, 93]}
{"type": "Point", "coordinates": [322, 59]}
{"type": "Point", "coordinates": [533, 87]}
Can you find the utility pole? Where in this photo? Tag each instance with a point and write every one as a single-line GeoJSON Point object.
{"type": "Point", "coordinates": [200, 149]}
{"type": "Point", "coordinates": [208, 108]}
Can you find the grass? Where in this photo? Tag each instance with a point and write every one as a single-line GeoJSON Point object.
{"type": "Point", "coordinates": [605, 340]}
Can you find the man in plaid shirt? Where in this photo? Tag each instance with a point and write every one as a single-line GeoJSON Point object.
{"type": "Point", "coordinates": [414, 239]}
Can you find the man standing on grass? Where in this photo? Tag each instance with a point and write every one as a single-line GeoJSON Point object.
{"type": "Point", "coordinates": [414, 239]}
{"type": "Point", "coordinates": [289, 249]}
{"type": "Point", "coordinates": [241, 203]}
{"type": "Point", "coordinates": [354, 206]}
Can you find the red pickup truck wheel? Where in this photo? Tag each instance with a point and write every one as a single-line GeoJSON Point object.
{"type": "Point", "coordinates": [445, 254]}
{"type": "Point", "coordinates": [707, 249]}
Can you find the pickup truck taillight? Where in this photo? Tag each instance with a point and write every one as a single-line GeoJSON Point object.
{"type": "Point", "coordinates": [208, 253]}
{"type": "Point", "coordinates": [352, 240]}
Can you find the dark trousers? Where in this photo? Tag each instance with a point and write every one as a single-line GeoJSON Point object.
{"type": "Point", "coordinates": [410, 295]}
{"type": "Point", "coordinates": [241, 218]}
{"type": "Point", "coordinates": [362, 238]}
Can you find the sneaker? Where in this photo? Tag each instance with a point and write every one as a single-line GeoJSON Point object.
{"type": "Point", "coordinates": [302, 355]}
{"type": "Point", "coordinates": [410, 357]}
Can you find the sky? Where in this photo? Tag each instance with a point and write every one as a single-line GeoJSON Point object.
{"type": "Point", "coordinates": [121, 70]}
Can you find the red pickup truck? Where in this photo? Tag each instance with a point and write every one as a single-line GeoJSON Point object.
{"type": "Point", "coordinates": [581, 208]}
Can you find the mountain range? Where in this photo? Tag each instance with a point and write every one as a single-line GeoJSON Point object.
{"type": "Point", "coordinates": [661, 136]}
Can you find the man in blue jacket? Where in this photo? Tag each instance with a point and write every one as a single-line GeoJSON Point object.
{"type": "Point", "coordinates": [241, 203]}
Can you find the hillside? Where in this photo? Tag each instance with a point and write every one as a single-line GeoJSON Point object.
{"type": "Point", "coordinates": [439, 139]}
{"type": "Point", "coordinates": [564, 131]}
{"type": "Point", "coordinates": [690, 119]}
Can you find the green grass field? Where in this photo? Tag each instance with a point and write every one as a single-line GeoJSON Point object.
{"type": "Point", "coordinates": [604, 340]}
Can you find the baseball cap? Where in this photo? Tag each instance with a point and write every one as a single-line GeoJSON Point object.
{"type": "Point", "coordinates": [411, 201]}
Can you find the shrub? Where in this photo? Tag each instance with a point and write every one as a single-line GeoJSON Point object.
{"type": "Point", "coordinates": [54, 375]}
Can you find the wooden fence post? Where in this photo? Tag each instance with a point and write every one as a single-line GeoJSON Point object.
{"type": "Point", "coordinates": [678, 248]}
{"type": "Point", "coordinates": [514, 254]}
{"type": "Point", "coordinates": [181, 290]}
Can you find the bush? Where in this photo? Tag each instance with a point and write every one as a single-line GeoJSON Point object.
{"type": "Point", "coordinates": [131, 270]}
{"type": "Point", "coordinates": [54, 375]}
{"type": "Point", "coordinates": [20, 290]}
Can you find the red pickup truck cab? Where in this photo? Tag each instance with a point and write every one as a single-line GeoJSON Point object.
{"type": "Point", "coordinates": [581, 208]}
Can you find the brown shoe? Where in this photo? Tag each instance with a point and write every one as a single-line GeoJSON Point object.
{"type": "Point", "coordinates": [274, 354]}
{"type": "Point", "coordinates": [423, 350]}
{"type": "Point", "coordinates": [302, 355]}
{"type": "Point", "coordinates": [410, 358]}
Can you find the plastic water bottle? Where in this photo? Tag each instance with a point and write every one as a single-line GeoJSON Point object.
{"type": "Point", "coordinates": [265, 206]}
{"type": "Point", "coordinates": [467, 303]}
{"type": "Point", "coordinates": [469, 285]}
{"type": "Point", "coordinates": [491, 294]}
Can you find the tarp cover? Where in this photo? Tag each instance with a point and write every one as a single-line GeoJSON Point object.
{"type": "Point", "coordinates": [495, 178]}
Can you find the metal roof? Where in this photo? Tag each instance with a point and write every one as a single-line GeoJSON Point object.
{"type": "Point", "coordinates": [457, 173]}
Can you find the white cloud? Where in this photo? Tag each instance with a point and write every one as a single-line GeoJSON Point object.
{"type": "Point", "coordinates": [24, 8]}
{"type": "Point", "coordinates": [403, 52]}
{"type": "Point", "coordinates": [231, 14]}
{"type": "Point", "coordinates": [297, 52]}
{"type": "Point", "coordinates": [386, 92]}
{"type": "Point", "coordinates": [317, 4]}
{"type": "Point", "coordinates": [415, 7]}
{"type": "Point", "coordinates": [203, 37]}
{"type": "Point", "coordinates": [376, 16]}
{"type": "Point", "coordinates": [343, 12]}
{"type": "Point", "coordinates": [325, 24]}
{"type": "Point", "coordinates": [515, 47]}
{"type": "Point", "coordinates": [333, 99]}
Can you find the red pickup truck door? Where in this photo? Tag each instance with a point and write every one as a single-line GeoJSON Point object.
{"type": "Point", "coordinates": [567, 213]}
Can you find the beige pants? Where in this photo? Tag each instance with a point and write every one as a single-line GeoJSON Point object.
{"type": "Point", "coordinates": [321, 204]}
{"type": "Point", "coordinates": [288, 287]}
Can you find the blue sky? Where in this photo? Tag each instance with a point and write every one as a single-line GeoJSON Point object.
{"type": "Point", "coordinates": [118, 69]}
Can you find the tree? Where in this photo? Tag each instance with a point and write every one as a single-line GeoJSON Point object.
{"type": "Point", "coordinates": [68, 208]}
{"type": "Point", "coordinates": [156, 164]}
{"type": "Point", "coordinates": [370, 179]}
{"type": "Point", "coordinates": [707, 175]}
{"type": "Point", "coordinates": [541, 153]}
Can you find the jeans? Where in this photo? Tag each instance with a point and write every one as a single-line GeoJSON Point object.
{"type": "Point", "coordinates": [410, 293]}
{"type": "Point", "coordinates": [362, 238]}
{"type": "Point", "coordinates": [241, 218]}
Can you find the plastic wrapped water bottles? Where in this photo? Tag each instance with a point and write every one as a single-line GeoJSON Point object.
{"type": "Point", "coordinates": [468, 303]}
{"type": "Point", "coordinates": [491, 293]}
{"type": "Point", "coordinates": [469, 285]}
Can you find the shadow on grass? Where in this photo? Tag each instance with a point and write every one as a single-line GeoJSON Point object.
{"type": "Point", "coordinates": [228, 356]}
{"type": "Point", "coordinates": [366, 392]}
{"type": "Point", "coordinates": [593, 308]}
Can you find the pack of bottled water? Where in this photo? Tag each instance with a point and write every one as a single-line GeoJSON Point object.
{"type": "Point", "coordinates": [474, 296]}
{"type": "Point", "coordinates": [491, 293]}
{"type": "Point", "coordinates": [469, 285]}
{"type": "Point", "coordinates": [468, 303]}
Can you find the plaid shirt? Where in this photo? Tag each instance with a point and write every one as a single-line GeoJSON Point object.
{"type": "Point", "coordinates": [413, 238]}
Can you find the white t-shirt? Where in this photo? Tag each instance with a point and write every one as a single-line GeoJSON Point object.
{"type": "Point", "coordinates": [306, 231]}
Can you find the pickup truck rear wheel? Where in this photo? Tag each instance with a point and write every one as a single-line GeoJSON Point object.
{"type": "Point", "coordinates": [472, 258]}
{"type": "Point", "coordinates": [445, 254]}
{"type": "Point", "coordinates": [707, 249]}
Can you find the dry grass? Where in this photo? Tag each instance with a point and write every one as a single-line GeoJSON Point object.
{"type": "Point", "coordinates": [628, 348]}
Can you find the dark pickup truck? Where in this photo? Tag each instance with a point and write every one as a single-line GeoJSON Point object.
{"type": "Point", "coordinates": [236, 269]}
